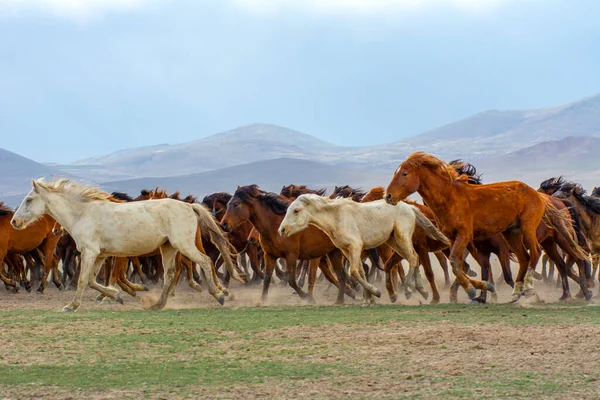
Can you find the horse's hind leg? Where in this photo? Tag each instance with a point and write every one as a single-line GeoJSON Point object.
{"type": "Point", "coordinates": [357, 272]}
{"type": "Point", "coordinates": [206, 265]}
{"type": "Point", "coordinates": [388, 268]}
{"type": "Point", "coordinates": [426, 262]}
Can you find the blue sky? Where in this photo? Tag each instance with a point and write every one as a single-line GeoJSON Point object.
{"type": "Point", "coordinates": [80, 78]}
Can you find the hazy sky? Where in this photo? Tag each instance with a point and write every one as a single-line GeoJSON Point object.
{"type": "Point", "coordinates": [85, 77]}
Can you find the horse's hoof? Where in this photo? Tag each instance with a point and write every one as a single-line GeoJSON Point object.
{"type": "Point", "coordinates": [472, 273]}
{"type": "Point", "coordinates": [472, 292]}
{"type": "Point", "coordinates": [67, 309]}
{"type": "Point", "coordinates": [38, 292]}
{"type": "Point", "coordinates": [537, 276]}
{"type": "Point", "coordinates": [311, 300]}
{"type": "Point", "coordinates": [145, 288]}
{"type": "Point", "coordinates": [225, 292]}
{"type": "Point", "coordinates": [338, 303]}
{"type": "Point", "coordinates": [376, 293]}
{"type": "Point", "coordinates": [100, 297]}
{"type": "Point", "coordinates": [477, 301]}
{"type": "Point", "coordinates": [394, 298]}
{"type": "Point", "coordinates": [60, 287]}
{"type": "Point", "coordinates": [28, 289]}
{"type": "Point", "coordinates": [490, 286]}
{"type": "Point", "coordinates": [408, 295]}
{"type": "Point", "coordinates": [515, 298]}
{"type": "Point", "coordinates": [589, 296]}
{"type": "Point", "coordinates": [579, 295]}
{"type": "Point", "coordinates": [424, 293]}
{"type": "Point", "coordinates": [221, 299]}
{"type": "Point", "coordinates": [564, 298]}
{"type": "Point", "coordinates": [528, 293]}
{"type": "Point", "coordinates": [435, 300]}
{"type": "Point", "coordinates": [118, 299]}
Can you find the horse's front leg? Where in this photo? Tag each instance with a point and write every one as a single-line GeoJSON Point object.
{"type": "Point", "coordinates": [290, 262]}
{"type": "Point", "coordinates": [357, 272]}
{"type": "Point", "coordinates": [457, 257]}
{"type": "Point", "coordinates": [90, 263]}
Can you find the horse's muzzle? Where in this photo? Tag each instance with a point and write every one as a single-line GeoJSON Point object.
{"type": "Point", "coordinates": [17, 224]}
{"type": "Point", "coordinates": [283, 231]}
{"type": "Point", "coordinates": [225, 227]}
{"type": "Point", "coordinates": [390, 199]}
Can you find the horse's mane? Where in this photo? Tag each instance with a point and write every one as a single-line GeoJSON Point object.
{"type": "Point", "coordinates": [297, 190]}
{"type": "Point", "coordinates": [84, 193]}
{"type": "Point", "coordinates": [421, 158]}
{"type": "Point", "coordinates": [219, 197]}
{"type": "Point", "coordinates": [5, 210]}
{"type": "Point", "coordinates": [468, 170]}
{"type": "Point", "coordinates": [596, 192]}
{"type": "Point", "coordinates": [122, 196]}
{"type": "Point", "coordinates": [552, 184]}
{"type": "Point", "coordinates": [356, 194]}
{"type": "Point", "coordinates": [190, 199]}
{"type": "Point", "coordinates": [319, 201]}
{"type": "Point", "coordinates": [175, 196]}
{"type": "Point", "coordinates": [590, 203]}
{"type": "Point", "coordinates": [278, 204]}
{"type": "Point", "coordinates": [145, 192]}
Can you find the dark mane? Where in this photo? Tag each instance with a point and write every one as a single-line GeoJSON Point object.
{"type": "Point", "coordinates": [145, 192]}
{"type": "Point", "coordinates": [121, 196]}
{"type": "Point", "coordinates": [348, 192]}
{"type": "Point", "coordinates": [297, 190]}
{"type": "Point", "coordinates": [589, 203]}
{"type": "Point", "coordinates": [190, 199]}
{"type": "Point", "coordinates": [278, 204]}
{"type": "Point", "coordinates": [468, 170]}
{"type": "Point", "coordinates": [551, 185]}
{"type": "Point", "coordinates": [219, 197]}
{"type": "Point", "coordinates": [596, 192]}
{"type": "Point", "coordinates": [175, 196]}
{"type": "Point", "coordinates": [5, 210]}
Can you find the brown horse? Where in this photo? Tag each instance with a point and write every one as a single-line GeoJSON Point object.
{"type": "Point", "coordinates": [38, 234]}
{"type": "Point", "coordinates": [217, 203]}
{"type": "Point", "coordinates": [468, 212]}
{"type": "Point", "coordinates": [266, 211]}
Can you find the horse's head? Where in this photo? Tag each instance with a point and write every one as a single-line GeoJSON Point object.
{"type": "Point", "coordinates": [32, 208]}
{"type": "Point", "coordinates": [404, 183]}
{"type": "Point", "coordinates": [298, 215]}
{"type": "Point", "coordinates": [596, 192]}
{"type": "Point", "coordinates": [238, 207]}
{"type": "Point", "coordinates": [551, 185]}
{"type": "Point", "coordinates": [217, 203]}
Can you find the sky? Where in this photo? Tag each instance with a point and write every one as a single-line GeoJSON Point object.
{"type": "Point", "coordinates": [85, 77]}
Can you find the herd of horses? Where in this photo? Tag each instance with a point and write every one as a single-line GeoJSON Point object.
{"type": "Point", "coordinates": [82, 236]}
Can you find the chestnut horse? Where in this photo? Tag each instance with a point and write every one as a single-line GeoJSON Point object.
{"type": "Point", "coordinates": [38, 234]}
{"type": "Point", "coordinates": [467, 212]}
{"type": "Point", "coordinates": [265, 211]}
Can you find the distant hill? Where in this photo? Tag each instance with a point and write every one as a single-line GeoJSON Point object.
{"type": "Point", "coordinates": [18, 171]}
{"type": "Point", "coordinates": [270, 175]}
{"type": "Point", "coordinates": [485, 135]}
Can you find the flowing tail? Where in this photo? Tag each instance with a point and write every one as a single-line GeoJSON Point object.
{"type": "Point", "coordinates": [212, 231]}
{"type": "Point", "coordinates": [562, 222]}
{"type": "Point", "coordinates": [430, 229]}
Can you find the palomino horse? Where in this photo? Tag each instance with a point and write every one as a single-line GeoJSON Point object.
{"type": "Point", "coordinates": [353, 227]}
{"type": "Point", "coordinates": [467, 212]}
{"type": "Point", "coordinates": [266, 211]}
{"type": "Point", "coordinates": [102, 228]}
{"type": "Point", "coordinates": [40, 234]}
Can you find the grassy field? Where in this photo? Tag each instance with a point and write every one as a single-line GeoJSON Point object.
{"type": "Point", "coordinates": [456, 351]}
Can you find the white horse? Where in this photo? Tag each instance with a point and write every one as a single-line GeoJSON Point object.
{"type": "Point", "coordinates": [102, 228]}
{"type": "Point", "coordinates": [354, 227]}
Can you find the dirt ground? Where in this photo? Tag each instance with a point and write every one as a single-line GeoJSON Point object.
{"type": "Point", "coordinates": [388, 358]}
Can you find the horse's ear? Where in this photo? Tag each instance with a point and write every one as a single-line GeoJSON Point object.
{"type": "Point", "coordinates": [36, 186]}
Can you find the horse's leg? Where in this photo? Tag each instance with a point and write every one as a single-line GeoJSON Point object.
{"type": "Point", "coordinates": [544, 271]}
{"type": "Point", "coordinates": [90, 264]}
{"type": "Point", "coordinates": [388, 268]}
{"type": "Point", "coordinates": [504, 259]}
{"type": "Point", "coordinates": [482, 257]}
{"type": "Point", "coordinates": [313, 265]}
{"type": "Point", "coordinates": [7, 282]}
{"type": "Point", "coordinates": [427, 268]}
{"type": "Point", "coordinates": [254, 264]}
{"type": "Point", "coordinates": [169, 255]}
{"type": "Point", "coordinates": [270, 262]}
{"type": "Point", "coordinates": [137, 267]}
{"type": "Point", "coordinates": [444, 265]}
{"type": "Point", "coordinates": [403, 245]}
{"type": "Point", "coordinates": [189, 267]}
{"type": "Point", "coordinates": [290, 262]}
{"type": "Point", "coordinates": [515, 242]}
{"type": "Point", "coordinates": [357, 272]}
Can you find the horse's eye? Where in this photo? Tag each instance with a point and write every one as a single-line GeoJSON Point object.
{"type": "Point", "coordinates": [296, 211]}
{"type": "Point", "coordinates": [28, 201]}
{"type": "Point", "coordinates": [404, 173]}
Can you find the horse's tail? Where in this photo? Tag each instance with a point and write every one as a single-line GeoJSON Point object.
{"type": "Point", "coordinates": [430, 229]}
{"type": "Point", "coordinates": [561, 221]}
{"type": "Point", "coordinates": [210, 230]}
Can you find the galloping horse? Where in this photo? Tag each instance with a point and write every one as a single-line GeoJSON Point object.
{"type": "Point", "coordinates": [102, 228]}
{"type": "Point", "coordinates": [354, 227]}
{"type": "Point", "coordinates": [467, 212]}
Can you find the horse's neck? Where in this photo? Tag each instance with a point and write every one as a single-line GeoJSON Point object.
{"type": "Point", "coordinates": [325, 217]}
{"type": "Point", "coordinates": [435, 191]}
{"type": "Point", "coordinates": [264, 220]}
{"type": "Point", "coordinates": [64, 210]}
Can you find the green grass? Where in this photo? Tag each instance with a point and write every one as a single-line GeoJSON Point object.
{"type": "Point", "coordinates": [155, 352]}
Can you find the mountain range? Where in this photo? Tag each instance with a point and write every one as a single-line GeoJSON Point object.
{"type": "Point", "coordinates": [528, 145]}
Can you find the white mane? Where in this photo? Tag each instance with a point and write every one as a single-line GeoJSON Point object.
{"type": "Point", "coordinates": [74, 190]}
